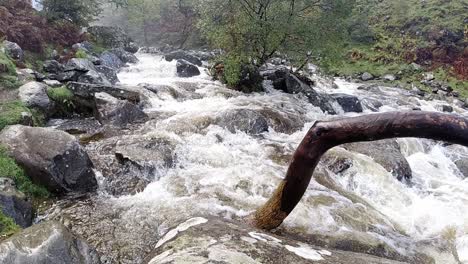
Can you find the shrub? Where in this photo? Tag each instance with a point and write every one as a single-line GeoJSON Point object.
{"type": "Point", "coordinates": [81, 54]}
{"type": "Point", "coordinates": [7, 226]}
{"type": "Point", "coordinates": [60, 94]}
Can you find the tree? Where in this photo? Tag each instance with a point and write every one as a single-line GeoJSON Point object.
{"type": "Point", "coordinates": [78, 12]}
{"type": "Point", "coordinates": [326, 135]}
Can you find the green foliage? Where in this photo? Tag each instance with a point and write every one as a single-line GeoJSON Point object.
{"type": "Point", "coordinates": [8, 77]}
{"type": "Point", "coordinates": [61, 94]}
{"type": "Point", "coordinates": [10, 113]}
{"type": "Point", "coordinates": [8, 226]}
{"type": "Point", "coordinates": [81, 54]}
{"type": "Point", "coordinates": [9, 82]}
{"type": "Point", "coordinates": [232, 70]}
{"type": "Point", "coordinates": [9, 169]}
{"type": "Point", "coordinates": [79, 12]}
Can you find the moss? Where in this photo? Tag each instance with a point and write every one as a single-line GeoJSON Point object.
{"type": "Point", "coordinates": [81, 54]}
{"type": "Point", "coordinates": [9, 169]}
{"type": "Point", "coordinates": [8, 226]}
{"type": "Point", "coordinates": [9, 82]}
{"type": "Point", "coordinates": [11, 113]}
{"type": "Point", "coordinates": [60, 94]}
{"type": "Point", "coordinates": [7, 66]}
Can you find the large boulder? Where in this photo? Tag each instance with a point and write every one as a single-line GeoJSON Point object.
{"type": "Point", "coordinates": [250, 79]}
{"type": "Point", "coordinates": [34, 94]}
{"type": "Point", "coordinates": [88, 90]}
{"type": "Point", "coordinates": [14, 51]}
{"type": "Point", "coordinates": [76, 64]}
{"type": "Point", "coordinates": [367, 76]}
{"type": "Point", "coordinates": [117, 112]}
{"type": "Point", "coordinates": [125, 56]}
{"type": "Point", "coordinates": [51, 158]}
{"type": "Point", "coordinates": [112, 37]}
{"type": "Point", "coordinates": [111, 60]}
{"type": "Point", "coordinates": [183, 55]}
{"type": "Point", "coordinates": [201, 240]}
{"type": "Point", "coordinates": [53, 66]}
{"type": "Point", "coordinates": [14, 204]}
{"type": "Point", "coordinates": [48, 242]}
{"type": "Point", "coordinates": [109, 73]}
{"type": "Point", "coordinates": [186, 69]}
{"type": "Point", "coordinates": [92, 76]}
{"type": "Point", "coordinates": [462, 165]}
{"type": "Point", "coordinates": [349, 103]}
{"type": "Point", "coordinates": [386, 153]}
{"type": "Point", "coordinates": [245, 120]}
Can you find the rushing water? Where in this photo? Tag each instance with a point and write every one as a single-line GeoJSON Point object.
{"type": "Point", "coordinates": [227, 174]}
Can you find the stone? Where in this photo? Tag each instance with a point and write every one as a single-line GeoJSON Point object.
{"type": "Point", "coordinates": [14, 204]}
{"type": "Point", "coordinates": [52, 83]}
{"type": "Point", "coordinates": [367, 77]}
{"type": "Point", "coordinates": [245, 120]}
{"type": "Point", "coordinates": [444, 108]}
{"type": "Point", "coordinates": [250, 80]}
{"type": "Point", "coordinates": [34, 94]}
{"type": "Point", "coordinates": [117, 112]}
{"type": "Point", "coordinates": [93, 77]}
{"type": "Point", "coordinates": [88, 90]}
{"type": "Point", "coordinates": [51, 158]}
{"type": "Point", "coordinates": [14, 51]}
{"type": "Point", "coordinates": [349, 103]}
{"type": "Point", "coordinates": [67, 76]}
{"type": "Point", "coordinates": [76, 64]}
{"type": "Point", "coordinates": [52, 66]}
{"type": "Point", "coordinates": [389, 77]}
{"type": "Point", "coordinates": [386, 153]}
{"type": "Point", "coordinates": [125, 56]}
{"type": "Point", "coordinates": [462, 165]}
{"type": "Point", "coordinates": [47, 242]}
{"type": "Point", "coordinates": [202, 240]}
{"type": "Point", "coordinates": [111, 60]}
{"type": "Point", "coordinates": [109, 73]}
{"type": "Point", "coordinates": [186, 69]}
{"type": "Point", "coordinates": [183, 55]}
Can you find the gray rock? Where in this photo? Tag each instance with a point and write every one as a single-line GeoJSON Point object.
{"type": "Point", "coordinates": [111, 60]}
{"type": "Point", "coordinates": [87, 91]}
{"type": "Point", "coordinates": [131, 47]}
{"type": "Point", "coordinates": [367, 77]}
{"type": "Point", "coordinates": [183, 55]}
{"type": "Point", "coordinates": [52, 66]}
{"type": "Point", "coordinates": [117, 112]}
{"type": "Point", "coordinates": [371, 104]}
{"type": "Point", "coordinates": [26, 75]}
{"type": "Point", "coordinates": [52, 83]}
{"type": "Point", "coordinates": [85, 128]}
{"type": "Point", "coordinates": [445, 108]}
{"type": "Point", "coordinates": [51, 158]}
{"type": "Point", "coordinates": [93, 77]}
{"type": "Point", "coordinates": [387, 153]}
{"type": "Point", "coordinates": [109, 73]}
{"type": "Point", "coordinates": [201, 240]}
{"type": "Point", "coordinates": [349, 103]}
{"type": "Point", "coordinates": [186, 69]}
{"type": "Point", "coordinates": [14, 51]}
{"type": "Point", "coordinates": [13, 203]}
{"type": "Point", "coordinates": [389, 77]}
{"type": "Point", "coordinates": [34, 94]}
{"type": "Point", "coordinates": [48, 242]}
{"type": "Point", "coordinates": [245, 120]}
{"type": "Point", "coordinates": [83, 65]}
{"type": "Point", "coordinates": [462, 165]}
{"type": "Point", "coordinates": [125, 56]}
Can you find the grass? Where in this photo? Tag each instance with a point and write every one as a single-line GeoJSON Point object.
{"type": "Point", "coordinates": [8, 226]}
{"type": "Point", "coordinates": [7, 72]}
{"type": "Point", "coordinates": [11, 113]}
{"type": "Point", "coordinates": [60, 94]}
{"type": "Point", "coordinates": [9, 169]}
{"type": "Point", "coordinates": [81, 54]}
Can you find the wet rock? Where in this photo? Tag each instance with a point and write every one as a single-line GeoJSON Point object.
{"type": "Point", "coordinates": [349, 103]}
{"type": "Point", "coordinates": [14, 51]}
{"type": "Point", "coordinates": [250, 80]}
{"type": "Point", "coordinates": [13, 203]}
{"type": "Point", "coordinates": [387, 153]}
{"type": "Point", "coordinates": [336, 164]}
{"type": "Point", "coordinates": [186, 69]}
{"type": "Point", "coordinates": [93, 77]}
{"type": "Point", "coordinates": [87, 91]}
{"type": "Point", "coordinates": [245, 120]}
{"type": "Point", "coordinates": [183, 55]}
{"type": "Point", "coordinates": [131, 47]}
{"type": "Point", "coordinates": [389, 77]}
{"type": "Point", "coordinates": [67, 76]}
{"type": "Point", "coordinates": [445, 108]}
{"type": "Point", "coordinates": [109, 73]}
{"type": "Point", "coordinates": [282, 123]}
{"type": "Point", "coordinates": [372, 104]}
{"type": "Point", "coordinates": [48, 242]}
{"type": "Point", "coordinates": [51, 158]}
{"type": "Point", "coordinates": [215, 241]}
{"type": "Point", "coordinates": [53, 66]}
{"type": "Point", "coordinates": [34, 94]}
{"type": "Point", "coordinates": [83, 65]}
{"type": "Point", "coordinates": [86, 129]}
{"type": "Point", "coordinates": [117, 112]}
{"type": "Point", "coordinates": [367, 77]}
{"type": "Point", "coordinates": [111, 60]}
{"type": "Point", "coordinates": [417, 91]}
{"type": "Point", "coordinates": [125, 56]}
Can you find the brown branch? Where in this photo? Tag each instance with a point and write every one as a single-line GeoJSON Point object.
{"type": "Point", "coordinates": [326, 135]}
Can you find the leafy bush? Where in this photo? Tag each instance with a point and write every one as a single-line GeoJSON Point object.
{"type": "Point", "coordinates": [9, 169]}
{"type": "Point", "coordinates": [81, 54]}
{"type": "Point", "coordinates": [7, 226]}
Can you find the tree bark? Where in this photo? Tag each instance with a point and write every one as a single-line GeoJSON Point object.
{"type": "Point", "coordinates": [326, 135]}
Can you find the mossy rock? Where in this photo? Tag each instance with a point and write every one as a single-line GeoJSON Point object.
{"type": "Point", "coordinates": [12, 113]}
{"type": "Point", "coordinates": [7, 226]}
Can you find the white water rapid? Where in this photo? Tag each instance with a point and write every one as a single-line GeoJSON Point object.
{"type": "Point", "coordinates": [221, 173]}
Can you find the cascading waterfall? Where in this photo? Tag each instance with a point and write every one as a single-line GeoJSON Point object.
{"type": "Point", "coordinates": [218, 172]}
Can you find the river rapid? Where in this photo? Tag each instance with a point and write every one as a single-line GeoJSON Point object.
{"type": "Point", "coordinates": [210, 170]}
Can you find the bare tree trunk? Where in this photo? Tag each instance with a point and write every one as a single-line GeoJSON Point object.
{"type": "Point", "coordinates": [326, 135]}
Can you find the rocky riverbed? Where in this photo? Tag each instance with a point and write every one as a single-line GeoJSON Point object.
{"type": "Point", "coordinates": [155, 162]}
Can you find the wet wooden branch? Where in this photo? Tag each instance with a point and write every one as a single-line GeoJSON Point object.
{"type": "Point", "coordinates": [326, 135]}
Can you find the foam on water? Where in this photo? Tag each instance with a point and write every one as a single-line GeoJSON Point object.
{"type": "Point", "coordinates": [231, 174]}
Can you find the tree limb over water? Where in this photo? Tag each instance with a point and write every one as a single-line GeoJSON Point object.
{"type": "Point", "coordinates": [325, 135]}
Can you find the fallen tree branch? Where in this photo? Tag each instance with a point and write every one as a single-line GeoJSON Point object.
{"type": "Point", "coordinates": [326, 135]}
